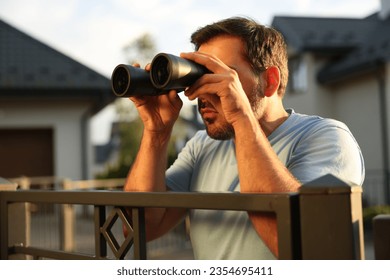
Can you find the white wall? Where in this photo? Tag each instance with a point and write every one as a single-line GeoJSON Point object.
{"type": "Point", "coordinates": [357, 105]}
{"type": "Point", "coordinates": [315, 100]}
{"type": "Point", "coordinates": [302, 101]}
{"type": "Point", "coordinates": [66, 121]}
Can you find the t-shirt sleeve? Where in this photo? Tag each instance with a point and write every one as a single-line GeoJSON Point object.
{"type": "Point", "coordinates": [329, 149]}
{"type": "Point", "coordinates": [179, 174]}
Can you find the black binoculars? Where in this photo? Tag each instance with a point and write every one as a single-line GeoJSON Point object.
{"type": "Point", "coordinates": [167, 72]}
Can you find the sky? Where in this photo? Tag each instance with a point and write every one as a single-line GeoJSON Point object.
{"type": "Point", "coordinates": [94, 32]}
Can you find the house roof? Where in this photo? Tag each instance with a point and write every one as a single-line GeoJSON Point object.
{"type": "Point", "coordinates": [32, 69]}
{"type": "Point", "coordinates": [354, 45]}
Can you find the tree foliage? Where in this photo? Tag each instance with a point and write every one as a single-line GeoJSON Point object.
{"type": "Point", "coordinates": [141, 50]}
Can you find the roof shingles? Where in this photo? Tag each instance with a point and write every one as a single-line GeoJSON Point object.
{"type": "Point", "coordinates": [30, 68]}
{"type": "Point", "coordinates": [28, 63]}
{"type": "Point", "coordinates": [357, 43]}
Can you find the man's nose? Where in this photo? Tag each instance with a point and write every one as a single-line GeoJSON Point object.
{"type": "Point", "coordinates": [202, 103]}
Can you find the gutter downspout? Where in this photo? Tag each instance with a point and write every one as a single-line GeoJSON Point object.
{"type": "Point", "coordinates": [85, 145]}
{"type": "Point", "coordinates": [385, 131]}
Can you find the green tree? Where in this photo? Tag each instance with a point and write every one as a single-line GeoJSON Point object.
{"type": "Point", "coordinates": [140, 50]}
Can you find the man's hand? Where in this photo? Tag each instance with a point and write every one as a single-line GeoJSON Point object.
{"type": "Point", "coordinates": [222, 88]}
{"type": "Point", "coordinates": [159, 112]}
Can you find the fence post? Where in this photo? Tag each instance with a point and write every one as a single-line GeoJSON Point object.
{"type": "Point", "coordinates": [100, 242]}
{"type": "Point", "coordinates": [15, 227]}
{"type": "Point", "coordinates": [381, 225]}
{"type": "Point", "coordinates": [3, 228]}
{"type": "Point", "coordinates": [67, 222]}
{"type": "Point", "coordinates": [331, 220]}
{"type": "Point", "coordinates": [138, 218]}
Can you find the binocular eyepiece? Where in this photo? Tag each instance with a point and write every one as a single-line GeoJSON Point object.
{"type": "Point", "coordinates": [167, 72]}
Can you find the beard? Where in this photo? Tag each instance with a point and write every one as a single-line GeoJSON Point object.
{"type": "Point", "coordinates": [220, 129]}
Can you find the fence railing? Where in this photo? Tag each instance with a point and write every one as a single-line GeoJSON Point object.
{"type": "Point", "coordinates": [66, 212]}
{"type": "Point", "coordinates": [321, 221]}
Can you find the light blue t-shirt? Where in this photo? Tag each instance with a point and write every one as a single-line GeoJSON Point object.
{"type": "Point", "coordinates": [309, 146]}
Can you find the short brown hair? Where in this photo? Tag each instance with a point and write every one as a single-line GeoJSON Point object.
{"type": "Point", "coordinates": [265, 46]}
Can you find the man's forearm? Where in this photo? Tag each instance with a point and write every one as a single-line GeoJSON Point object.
{"type": "Point", "coordinates": [254, 153]}
{"type": "Point", "coordinates": [148, 175]}
{"type": "Point", "coordinates": [148, 170]}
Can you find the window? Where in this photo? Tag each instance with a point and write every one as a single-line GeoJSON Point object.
{"type": "Point", "coordinates": [298, 75]}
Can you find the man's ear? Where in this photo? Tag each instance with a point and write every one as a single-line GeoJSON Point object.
{"type": "Point", "coordinates": [272, 79]}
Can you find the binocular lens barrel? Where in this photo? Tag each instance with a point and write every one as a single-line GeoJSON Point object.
{"type": "Point", "coordinates": [173, 72]}
{"type": "Point", "coordinates": [167, 72]}
{"type": "Point", "coordinates": [160, 71]}
{"type": "Point", "coordinates": [127, 81]}
{"type": "Point", "coordinates": [121, 80]}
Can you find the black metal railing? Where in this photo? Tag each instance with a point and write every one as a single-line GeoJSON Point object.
{"type": "Point", "coordinates": [321, 221]}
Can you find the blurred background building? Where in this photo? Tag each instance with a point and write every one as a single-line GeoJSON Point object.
{"type": "Point", "coordinates": [46, 103]}
{"type": "Point", "coordinates": [340, 68]}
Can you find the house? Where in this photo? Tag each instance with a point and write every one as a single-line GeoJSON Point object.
{"type": "Point", "coordinates": [340, 68]}
{"type": "Point", "coordinates": [46, 102]}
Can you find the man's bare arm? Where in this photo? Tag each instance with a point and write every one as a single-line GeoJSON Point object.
{"type": "Point", "coordinates": [147, 174]}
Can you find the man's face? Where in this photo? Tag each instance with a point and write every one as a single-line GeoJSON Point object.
{"type": "Point", "coordinates": [230, 51]}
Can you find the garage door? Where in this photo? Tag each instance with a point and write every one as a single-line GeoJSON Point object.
{"type": "Point", "coordinates": [26, 152]}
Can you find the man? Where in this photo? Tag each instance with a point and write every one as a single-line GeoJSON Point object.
{"type": "Point", "coordinates": [251, 144]}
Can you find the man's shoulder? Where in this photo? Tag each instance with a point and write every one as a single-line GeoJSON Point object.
{"type": "Point", "coordinates": [315, 122]}
{"type": "Point", "coordinates": [300, 128]}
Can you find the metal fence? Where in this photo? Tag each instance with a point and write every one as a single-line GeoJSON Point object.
{"type": "Point", "coordinates": [70, 226]}
{"type": "Point", "coordinates": [322, 221]}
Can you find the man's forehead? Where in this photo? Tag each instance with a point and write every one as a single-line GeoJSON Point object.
{"type": "Point", "coordinates": [229, 49]}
